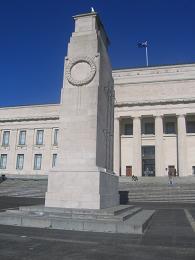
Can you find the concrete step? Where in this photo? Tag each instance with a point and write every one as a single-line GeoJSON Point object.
{"type": "Point", "coordinates": [174, 186]}
{"type": "Point", "coordinates": [176, 196]}
{"type": "Point", "coordinates": [121, 212]}
{"type": "Point", "coordinates": [157, 180]}
{"type": "Point", "coordinates": [57, 220]}
{"type": "Point", "coordinates": [162, 192]}
{"type": "Point", "coordinates": [162, 200]}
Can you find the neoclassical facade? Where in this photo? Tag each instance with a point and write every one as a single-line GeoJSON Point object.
{"type": "Point", "coordinates": [155, 120]}
{"type": "Point", "coordinates": [154, 126]}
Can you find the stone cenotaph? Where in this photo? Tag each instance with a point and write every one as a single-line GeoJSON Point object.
{"type": "Point", "coordinates": [83, 177]}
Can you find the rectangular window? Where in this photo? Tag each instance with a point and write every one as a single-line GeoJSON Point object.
{"type": "Point", "coordinates": [190, 126]}
{"type": "Point", "coordinates": [39, 137]}
{"type": "Point", "coordinates": [3, 161]}
{"type": "Point", "coordinates": [54, 160]}
{"type": "Point", "coordinates": [37, 161]}
{"type": "Point", "coordinates": [149, 128]}
{"type": "Point", "coordinates": [20, 161]}
{"type": "Point", "coordinates": [22, 137]}
{"type": "Point", "coordinates": [128, 129]}
{"type": "Point", "coordinates": [6, 135]}
{"type": "Point", "coordinates": [55, 140]}
{"type": "Point", "coordinates": [170, 128]}
{"type": "Point", "coordinates": [148, 151]}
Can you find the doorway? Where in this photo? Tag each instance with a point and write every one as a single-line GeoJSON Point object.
{"type": "Point", "coordinates": [128, 170]}
{"type": "Point", "coordinates": [171, 170]}
{"type": "Point", "coordinates": [148, 160]}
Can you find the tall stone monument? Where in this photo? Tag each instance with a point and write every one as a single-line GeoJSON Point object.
{"type": "Point", "coordinates": [84, 175]}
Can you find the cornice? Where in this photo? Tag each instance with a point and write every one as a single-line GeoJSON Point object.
{"type": "Point", "coordinates": [153, 81]}
{"type": "Point", "coordinates": [30, 106]}
{"type": "Point", "coordinates": [150, 68]}
{"type": "Point", "coordinates": [27, 119]}
{"type": "Point", "coordinates": [155, 102]}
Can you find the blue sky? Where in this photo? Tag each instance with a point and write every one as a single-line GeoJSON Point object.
{"type": "Point", "coordinates": [34, 36]}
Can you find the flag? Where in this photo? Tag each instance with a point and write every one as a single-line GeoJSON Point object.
{"type": "Point", "coordinates": [142, 44]}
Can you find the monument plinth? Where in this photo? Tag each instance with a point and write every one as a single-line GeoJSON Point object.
{"type": "Point", "coordinates": [83, 177]}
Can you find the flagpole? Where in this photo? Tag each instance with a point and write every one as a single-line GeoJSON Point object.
{"type": "Point", "coordinates": [147, 56]}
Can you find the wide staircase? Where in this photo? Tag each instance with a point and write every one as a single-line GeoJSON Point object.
{"type": "Point", "coordinates": [158, 189]}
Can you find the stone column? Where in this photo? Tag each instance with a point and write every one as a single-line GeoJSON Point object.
{"type": "Point", "coordinates": [117, 145]}
{"type": "Point", "coordinates": [181, 144]}
{"type": "Point", "coordinates": [159, 156]}
{"type": "Point", "coordinates": [137, 162]}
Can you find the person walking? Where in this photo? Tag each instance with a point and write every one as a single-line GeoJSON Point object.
{"type": "Point", "coordinates": [170, 175]}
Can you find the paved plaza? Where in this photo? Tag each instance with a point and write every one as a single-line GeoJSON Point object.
{"type": "Point", "coordinates": [170, 235]}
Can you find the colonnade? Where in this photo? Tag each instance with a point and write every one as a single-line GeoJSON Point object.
{"type": "Point", "coordinates": [159, 153]}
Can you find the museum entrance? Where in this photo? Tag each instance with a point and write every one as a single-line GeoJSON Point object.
{"type": "Point", "coordinates": [148, 160]}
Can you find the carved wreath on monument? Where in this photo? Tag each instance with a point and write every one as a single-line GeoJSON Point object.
{"type": "Point", "coordinates": [80, 71]}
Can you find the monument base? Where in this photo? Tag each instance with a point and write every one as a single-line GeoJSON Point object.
{"type": "Point", "coordinates": [120, 219]}
{"type": "Point", "coordinates": [82, 190]}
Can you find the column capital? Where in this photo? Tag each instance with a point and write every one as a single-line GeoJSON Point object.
{"type": "Point", "coordinates": [136, 117]}
{"type": "Point", "coordinates": [180, 115]}
{"type": "Point", "coordinates": [158, 116]}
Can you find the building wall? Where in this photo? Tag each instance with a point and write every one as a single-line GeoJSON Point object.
{"type": "Point", "coordinates": [31, 119]}
{"type": "Point", "coordinates": [153, 94]}
{"type": "Point", "coordinates": [156, 93]}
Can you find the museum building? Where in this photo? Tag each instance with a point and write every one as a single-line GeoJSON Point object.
{"type": "Point", "coordinates": [154, 126]}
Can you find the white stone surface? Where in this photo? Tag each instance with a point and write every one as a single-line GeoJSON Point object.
{"type": "Point", "coordinates": [86, 128]}
{"type": "Point", "coordinates": [92, 190]}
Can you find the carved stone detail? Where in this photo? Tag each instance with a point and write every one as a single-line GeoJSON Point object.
{"type": "Point", "coordinates": [72, 63]}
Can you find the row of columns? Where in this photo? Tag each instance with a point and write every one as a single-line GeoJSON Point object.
{"type": "Point", "coordinates": [159, 156]}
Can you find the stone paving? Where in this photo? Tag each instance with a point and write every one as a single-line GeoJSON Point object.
{"type": "Point", "coordinates": [169, 237]}
{"type": "Point", "coordinates": [23, 188]}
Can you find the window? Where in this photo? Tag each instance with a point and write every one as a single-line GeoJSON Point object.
{"type": "Point", "coordinates": [193, 170]}
{"type": "Point", "coordinates": [190, 126]}
{"type": "Point", "coordinates": [20, 161]}
{"type": "Point", "coordinates": [128, 129]}
{"type": "Point", "coordinates": [39, 137]}
{"type": "Point", "coordinates": [22, 137]}
{"type": "Point", "coordinates": [54, 160]}
{"type": "Point", "coordinates": [6, 135]}
{"type": "Point", "coordinates": [37, 161]}
{"type": "Point", "coordinates": [149, 128]}
{"type": "Point", "coordinates": [3, 161]}
{"type": "Point", "coordinates": [148, 151]}
{"type": "Point", "coordinates": [170, 128]}
{"type": "Point", "coordinates": [55, 140]}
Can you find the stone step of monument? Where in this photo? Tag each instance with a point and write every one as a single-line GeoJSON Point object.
{"type": "Point", "coordinates": [135, 223]}
{"type": "Point", "coordinates": [108, 211]}
{"type": "Point", "coordinates": [121, 212]}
